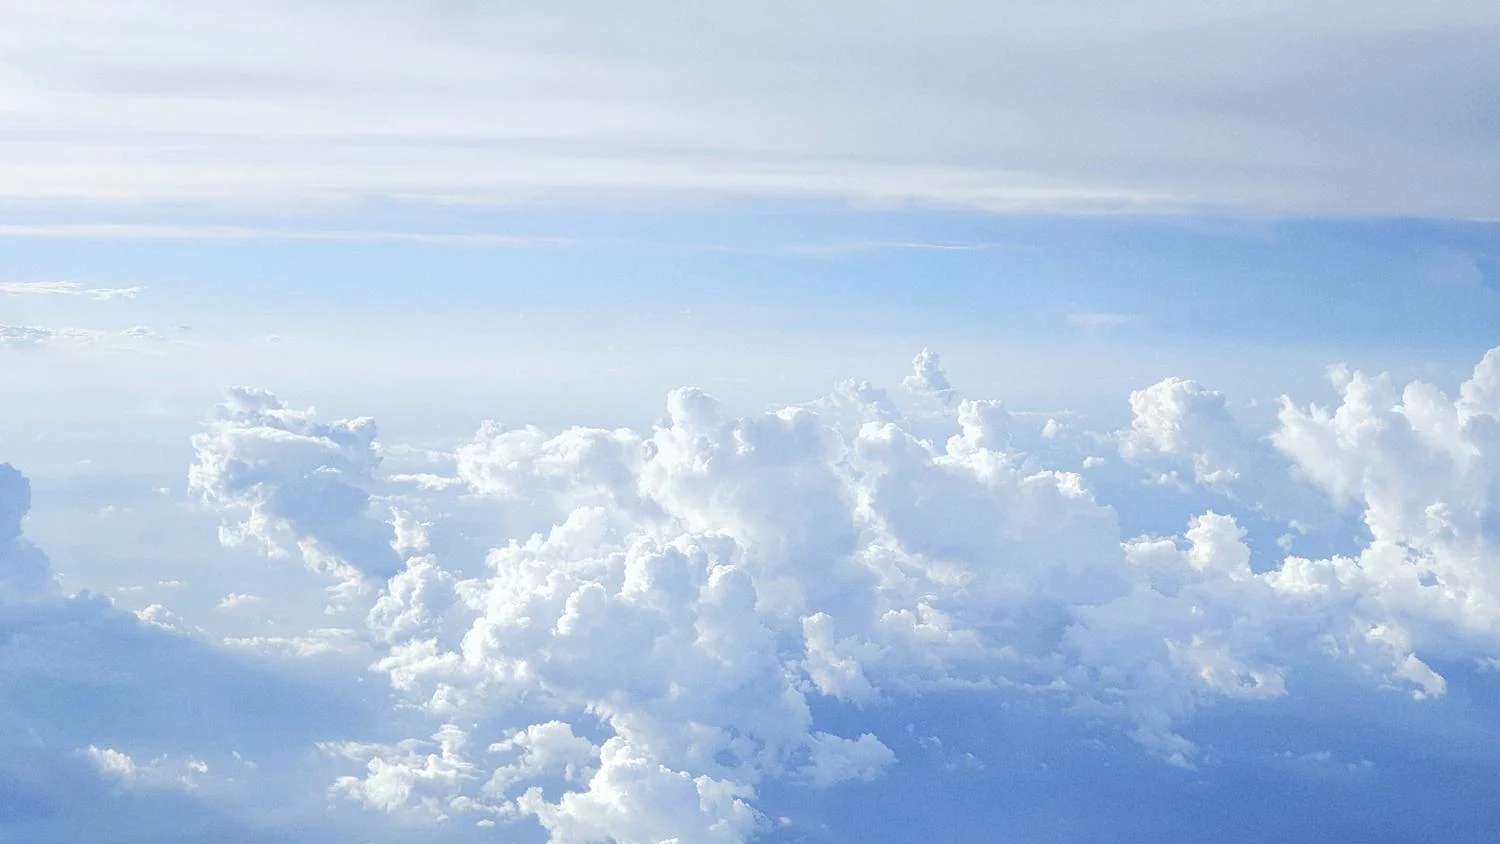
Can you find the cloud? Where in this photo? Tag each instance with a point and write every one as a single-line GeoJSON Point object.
{"type": "Point", "coordinates": [111, 723]}
{"type": "Point", "coordinates": [157, 773]}
{"type": "Point", "coordinates": [1098, 322]}
{"type": "Point", "coordinates": [140, 231]}
{"type": "Point", "coordinates": [696, 588]}
{"type": "Point", "coordinates": [1424, 469]}
{"type": "Point", "coordinates": [396, 776]}
{"type": "Point", "coordinates": [67, 288]}
{"type": "Point", "coordinates": [36, 336]}
{"type": "Point", "coordinates": [927, 375]}
{"type": "Point", "coordinates": [864, 104]}
{"type": "Point", "coordinates": [319, 642]}
{"type": "Point", "coordinates": [295, 482]}
{"type": "Point", "coordinates": [32, 336]}
{"type": "Point", "coordinates": [683, 624]}
{"type": "Point", "coordinates": [237, 599]}
{"type": "Point", "coordinates": [112, 762]}
{"type": "Point", "coordinates": [544, 749]}
{"type": "Point", "coordinates": [25, 572]}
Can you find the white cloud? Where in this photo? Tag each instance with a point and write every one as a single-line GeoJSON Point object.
{"type": "Point", "coordinates": [158, 773]}
{"type": "Point", "coordinates": [318, 642]}
{"type": "Point", "coordinates": [235, 600]}
{"type": "Point", "coordinates": [295, 482]}
{"type": "Point", "coordinates": [67, 288]}
{"type": "Point", "coordinates": [1002, 106]}
{"type": "Point", "coordinates": [139, 231]}
{"type": "Point", "coordinates": [112, 762]}
{"type": "Point", "coordinates": [398, 775]}
{"type": "Point", "coordinates": [37, 336]}
{"type": "Point", "coordinates": [927, 375]}
{"type": "Point", "coordinates": [682, 620]}
{"type": "Point", "coordinates": [543, 749]}
{"type": "Point", "coordinates": [1177, 423]}
{"type": "Point", "coordinates": [702, 582]}
{"type": "Point", "coordinates": [1423, 469]}
{"type": "Point", "coordinates": [160, 616]}
{"type": "Point", "coordinates": [635, 800]}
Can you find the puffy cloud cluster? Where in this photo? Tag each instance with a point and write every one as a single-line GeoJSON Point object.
{"type": "Point", "coordinates": [1420, 469]}
{"type": "Point", "coordinates": [653, 654]}
{"type": "Point", "coordinates": [294, 482]}
{"type": "Point", "coordinates": [928, 375]}
{"type": "Point", "coordinates": [1424, 471]}
{"type": "Point", "coordinates": [157, 773]}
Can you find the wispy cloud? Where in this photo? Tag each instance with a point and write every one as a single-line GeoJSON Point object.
{"type": "Point", "coordinates": [315, 643]}
{"type": "Point", "coordinates": [872, 105]}
{"type": "Point", "coordinates": [35, 336]}
{"type": "Point", "coordinates": [130, 231]}
{"type": "Point", "coordinates": [26, 336]}
{"type": "Point", "coordinates": [67, 288]}
{"type": "Point", "coordinates": [1098, 322]}
{"type": "Point", "coordinates": [493, 240]}
{"type": "Point", "coordinates": [897, 246]}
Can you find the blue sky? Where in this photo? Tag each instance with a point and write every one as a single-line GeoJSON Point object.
{"type": "Point", "coordinates": [808, 423]}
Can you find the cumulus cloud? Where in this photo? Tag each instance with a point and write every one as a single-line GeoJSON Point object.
{"type": "Point", "coordinates": [406, 774]}
{"type": "Point", "coordinates": [1188, 433]}
{"type": "Point", "coordinates": [294, 482]}
{"type": "Point", "coordinates": [683, 621]}
{"type": "Point", "coordinates": [1422, 468]}
{"type": "Point", "coordinates": [1180, 418]}
{"type": "Point", "coordinates": [697, 587]}
{"type": "Point", "coordinates": [928, 376]}
{"type": "Point", "coordinates": [541, 750]}
{"type": "Point", "coordinates": [112, 762]}
{"type": "Point", "coordinates": [237, 599]}
{"type": "Point", "coordinates": [159, 772]}
{"type": "Point", "coordinates": [24, 570]}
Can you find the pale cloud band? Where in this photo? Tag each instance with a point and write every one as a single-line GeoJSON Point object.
{"type": "Point", "coordinates": [67, 288]}
{"type": "Point", "coordinates": [1366, 109]}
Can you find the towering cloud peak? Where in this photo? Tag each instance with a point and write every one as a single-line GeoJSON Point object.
{"type": "Point", "coordinates": [24, 569]}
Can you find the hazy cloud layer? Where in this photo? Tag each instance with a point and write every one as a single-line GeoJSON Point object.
{"type": "Point", "coordinates": [1284, 108]}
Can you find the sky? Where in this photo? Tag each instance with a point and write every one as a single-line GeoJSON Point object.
{"type": "Point", "coordinates": [798, 423]}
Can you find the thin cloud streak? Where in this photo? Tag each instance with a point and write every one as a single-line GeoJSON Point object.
{"type": "Point", "coordinates": [66, 288]}
{"type": "Point", "coordinates": [486, 240]}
